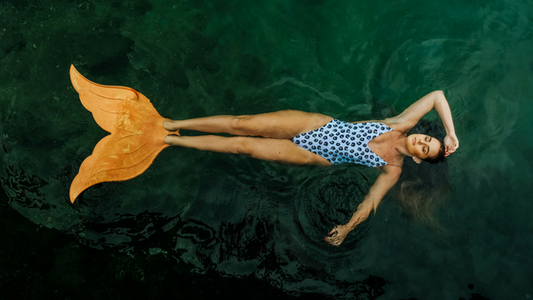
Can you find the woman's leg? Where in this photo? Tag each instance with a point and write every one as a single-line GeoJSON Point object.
{"type": "Point", "coordinates": [278, 150]}
{"type": "Point", "coordinates": [284, 124]}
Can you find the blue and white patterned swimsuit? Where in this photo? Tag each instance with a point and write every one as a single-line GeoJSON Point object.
{"type": "Point", "coordinates": [342, 142]}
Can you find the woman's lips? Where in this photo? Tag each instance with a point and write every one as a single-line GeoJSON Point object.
{"type": "Point", "coordinates": [414, 141]}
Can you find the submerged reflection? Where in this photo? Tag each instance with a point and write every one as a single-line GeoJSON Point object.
{"type": "Point", "coordinates": [268, 224]}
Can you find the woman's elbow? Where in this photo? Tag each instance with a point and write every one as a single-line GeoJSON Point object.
{"type": "Point", "coordinates": [439, 95]}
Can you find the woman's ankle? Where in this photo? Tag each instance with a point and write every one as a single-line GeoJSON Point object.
{"type": "Point", "coordinates": [169, 125]}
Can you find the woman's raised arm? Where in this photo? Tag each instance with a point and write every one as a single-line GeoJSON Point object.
{"type": "Point", "coordinates": [386, 180]}
{"type": "Point", "coordinates": [434, 100]}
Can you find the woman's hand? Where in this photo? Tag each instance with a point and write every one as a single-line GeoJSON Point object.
{"type": "Point", "coordinates": [338, 234]}
{"type": "Point", "coordinates": [451, 143]}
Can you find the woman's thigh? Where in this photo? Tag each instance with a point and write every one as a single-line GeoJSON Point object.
{"type": "Point", "coordinates": [284, 124]}
{"type": "Point", "coordinates": [279, 150]}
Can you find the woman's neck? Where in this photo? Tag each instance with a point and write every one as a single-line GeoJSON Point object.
{"type": "Point", "coordinates": [400, 146]}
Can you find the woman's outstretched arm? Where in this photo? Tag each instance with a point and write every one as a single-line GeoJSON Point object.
{"type": "Point", "coordinates": [386, 180]}
{"type": "Point", "coordinates": [434, 100]}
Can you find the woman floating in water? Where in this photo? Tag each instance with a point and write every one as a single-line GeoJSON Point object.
{"type": "Point", "coordinates": [138, 134]}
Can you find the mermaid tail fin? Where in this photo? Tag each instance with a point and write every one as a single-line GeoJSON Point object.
{"type": "Point", "coordinates": [137, 133]}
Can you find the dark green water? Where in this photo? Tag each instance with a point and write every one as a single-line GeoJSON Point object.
{"type": "Point", "coordinates": [202, 225]}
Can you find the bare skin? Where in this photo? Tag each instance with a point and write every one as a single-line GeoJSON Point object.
{"type": "Point", "coordinates": [267, 137]}
{"type": "Point", "coordinates": [274, 129]}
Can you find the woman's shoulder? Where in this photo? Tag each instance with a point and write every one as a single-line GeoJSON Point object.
{"type": "Point", "coordinates": [395, 124]}
{"type": "Point", "coordinates": [390, 122]}
{"type": "Point", "coordinates": [392, 169]}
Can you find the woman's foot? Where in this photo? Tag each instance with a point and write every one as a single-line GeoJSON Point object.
{"type": "Point", "coordinates": [169, 125]}
{"type": "Point", "coordinates": [173, 130]}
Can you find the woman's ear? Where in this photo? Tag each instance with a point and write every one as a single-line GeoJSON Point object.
{"type": "Point", "coordinates": [417, 160]}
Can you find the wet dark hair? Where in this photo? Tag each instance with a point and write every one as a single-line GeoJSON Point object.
{"type": "Point", "coordinates": [423, 188]}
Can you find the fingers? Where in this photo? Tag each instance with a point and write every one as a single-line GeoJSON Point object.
{"type": "Point", "coordinates": [451, 144]}
{"type": "Point", "coordinates": [332, 241]}
{"type": "Point", "coordinates": [334, 230]}
{"type": "Point", "coordinates": [449, 150]}
{"type": "Point", "coordinates": [334, 238]}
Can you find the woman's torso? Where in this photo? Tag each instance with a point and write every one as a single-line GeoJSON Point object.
{"type": "Point", "coordinates": [370, 143]}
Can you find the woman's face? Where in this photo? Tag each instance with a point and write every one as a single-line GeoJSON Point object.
{"type": "Point", "coordinates": [422, 146]}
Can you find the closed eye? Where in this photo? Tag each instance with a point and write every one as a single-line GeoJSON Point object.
{"type": "Point", "coordinates": [428, 140]}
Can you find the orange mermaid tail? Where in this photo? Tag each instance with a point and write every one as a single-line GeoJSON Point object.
{"type": "Point", "coordinates": [137, 133]}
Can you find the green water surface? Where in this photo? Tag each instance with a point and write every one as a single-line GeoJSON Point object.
{"type": "Point", "coordinates": [255, 224]}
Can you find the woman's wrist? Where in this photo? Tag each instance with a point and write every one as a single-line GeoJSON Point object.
{"type": "Point", "coordinates": [451, 134]}
{"type": "Point", "coordinates": [350, 227]}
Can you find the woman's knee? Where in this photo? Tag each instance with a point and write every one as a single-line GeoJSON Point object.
{"type": "Point", "coordinates": [242, 146]}
{"type": "Point", "coordinates": [257, 124]}
{"type": "Point", "coordinates": [240, 123]}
